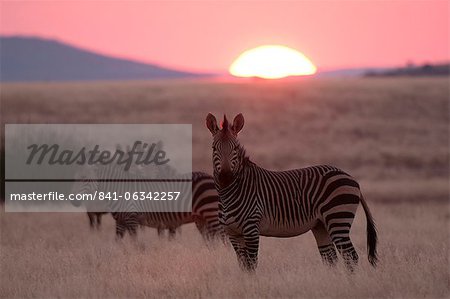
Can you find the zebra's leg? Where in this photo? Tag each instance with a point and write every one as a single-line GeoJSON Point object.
{"type": "Point", "coordinates": [208, 233]}
{"type": "Point", "coordinates": [239, 248]}
{"type": "Point", "coordinates": [348, 252]}
{"type": "Point", "coordinates": [160, 232]}
{"type": "Point", "coordinates": [201, 226]}
{"type": "Point", "coordinates": [132, 230]}
{"type": "Point", "coordinates": [172, 233]}
{"type": "Point", "coordinates": [99, 220]}
{"type": "Point", "coordinates": [252, 247]}
{"type": "Point", "coordinates": [120, 230]}
{"type": "Point", "coordinates": [121, 224]}
{"type": "Point", "coordinates": [214, 233]}
{"type": "Point", "coordinates": [91, 219]}
{"type": "Point", "coordinates": [325, 244]}
{"type": "Point", "coordinates": [340, 234]}
{"type": "Point", "coordinates": [205, 235]}
{"type": "Point", "coordinates": [132, 221]}
{"type": "Point", "coordinates": [339, 213]}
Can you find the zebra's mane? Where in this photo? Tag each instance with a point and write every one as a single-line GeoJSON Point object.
{"type": "Point", "coordinates": [243, 154]}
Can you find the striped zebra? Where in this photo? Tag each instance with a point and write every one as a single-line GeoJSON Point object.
{"type": "Point", "coordinates": [254, 202]}
{"type": "Point", "coordinates": [84, 185]}
{"type": "Point", "coordinates": [204, 203]}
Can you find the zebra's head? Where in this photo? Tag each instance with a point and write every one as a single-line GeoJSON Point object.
{"type": "Point", "coordinates": [227, 152]}
{"type": "Point", "coordinates": [84, 183]}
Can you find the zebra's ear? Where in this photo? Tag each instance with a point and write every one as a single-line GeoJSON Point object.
{"type": "Point", "coordinates": [238, 124]}
{"type": "Point", "coordinates": [211, 123]}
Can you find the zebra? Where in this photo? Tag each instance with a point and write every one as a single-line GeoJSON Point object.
{"type": "Point", "coordinates": [95, 218]}
{"type": "Point", "coordinates": [204, 204]}
{"type": "Point", "coordinates": [83, 185]}
{"type": "Point", "coordinates": [255, 202]}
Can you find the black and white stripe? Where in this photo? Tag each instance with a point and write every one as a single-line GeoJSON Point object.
{"type": "Point", "coordinates": [134, 213]}
{"type": "Point", "coordinates": [84, 184]}
{"type": "Point", "coordinates": [254, 202]}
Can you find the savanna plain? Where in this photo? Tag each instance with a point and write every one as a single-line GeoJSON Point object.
{"type": "Point", "coordinates": [391, 134]}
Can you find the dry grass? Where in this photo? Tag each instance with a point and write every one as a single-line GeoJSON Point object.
{"type": "Point", "coordinates": [391, 134]}
{"type": "Point", "coordinates": [379, 130]}
{"type": "Point", "coordinates": [56, 255]}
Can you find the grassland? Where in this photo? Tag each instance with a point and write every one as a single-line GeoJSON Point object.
{"type": "Point", "coordinates": [391, 134]}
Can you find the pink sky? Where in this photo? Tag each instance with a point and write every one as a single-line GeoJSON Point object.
{"type": "Point", "coordinates": [209, 35]}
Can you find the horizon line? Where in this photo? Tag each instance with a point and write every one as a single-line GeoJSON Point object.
{"type": "Point", "coordinates": [215, 73]}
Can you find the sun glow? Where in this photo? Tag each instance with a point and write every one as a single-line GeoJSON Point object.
{"type": "Point", "coordinates": [272, 62]}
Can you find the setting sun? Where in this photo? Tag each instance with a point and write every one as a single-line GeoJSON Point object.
{"type": "Point", "coordinates": [272, 62]}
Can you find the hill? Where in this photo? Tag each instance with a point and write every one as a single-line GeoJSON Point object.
{"type": "Point", "coordinates": [36, 59]}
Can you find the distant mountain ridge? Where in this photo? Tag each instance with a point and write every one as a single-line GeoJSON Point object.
{"type": "Point", "coordinates": [348, 72]}
{"type": "Point", "coordinates": [37, 59]}
{"type": "Point", "coordinates": [438, 69]}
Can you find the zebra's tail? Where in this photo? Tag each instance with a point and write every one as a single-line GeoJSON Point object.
{"type": "Point", "coordinates": [372, 237]}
